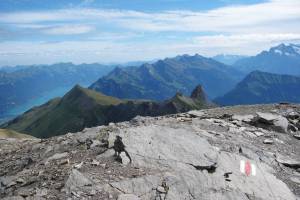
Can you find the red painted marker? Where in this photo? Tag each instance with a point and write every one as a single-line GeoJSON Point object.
{"type": "Point", "coordinates": [247, 168]}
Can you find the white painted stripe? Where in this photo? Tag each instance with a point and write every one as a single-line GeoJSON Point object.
{"type": "Point", "coordinates": [242, 166]}
{"type": "Point", "coordinates": [253, 170]}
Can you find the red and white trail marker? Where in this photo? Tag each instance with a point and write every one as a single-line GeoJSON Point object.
{"type": "Point", "coordinates": [247, 168]}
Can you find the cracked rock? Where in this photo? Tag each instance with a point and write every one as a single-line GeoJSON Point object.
{"type": "Point", "coordinates": [292, 163]}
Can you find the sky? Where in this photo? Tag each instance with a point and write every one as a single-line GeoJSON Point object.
{"type": "Point", "coordinates": [118, 31]}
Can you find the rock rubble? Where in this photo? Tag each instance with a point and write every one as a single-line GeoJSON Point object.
{"type": "Point", "coordinates": [241, 152]}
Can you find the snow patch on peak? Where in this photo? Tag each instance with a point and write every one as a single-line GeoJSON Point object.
{"type": "Point", "coordinates": [296, 48]}
{"type": "Point", "coordinates": [278, 51]}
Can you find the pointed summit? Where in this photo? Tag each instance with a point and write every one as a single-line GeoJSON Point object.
{"type": "Point", "coordinates": [198, 93]}
{"type": "Point", "coordinates": [88, 98]}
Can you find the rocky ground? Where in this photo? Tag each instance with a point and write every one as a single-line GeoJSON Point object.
{"type": "Point", "coordinates": [194, 155]}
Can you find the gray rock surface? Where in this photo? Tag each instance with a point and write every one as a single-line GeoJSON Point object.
{"type": "Point", "coordinates": [128, 197]}
{"type": "Point", "coordinates": [196, 155]}
{"type": "Point", "coordinates": [289, 162]}
{"type": "Point", "coordinates": [271, 121]}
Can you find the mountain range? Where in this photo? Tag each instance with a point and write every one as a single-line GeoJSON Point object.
{"type": "Point", "coordinates": [263, 87]}
{"type": "Point", "coordinates": [281, 59]}
{"type": "Point", "coordinates": [20, 84]}
{"type": "Point", "coordinates": [228, 59]}
{"type": "Point", "coordinates": [81, 108]}
{"type": "Point", "coordinates": [151, 87]}
{"type": "Point", "coordinates": [160, 80]}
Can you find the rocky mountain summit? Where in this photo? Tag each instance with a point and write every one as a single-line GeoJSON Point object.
{"type": "Point", "coordinates": [281, 59]}
{"type": "Point", "coordinates": [241, 152]}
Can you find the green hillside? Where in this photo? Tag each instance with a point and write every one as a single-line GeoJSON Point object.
{"type": "Point", "coordinates": [81, 108]}
{"type": "Point", "coordinates": [21, 84]}
{"type": "Point", "coordinates": [5, 133]}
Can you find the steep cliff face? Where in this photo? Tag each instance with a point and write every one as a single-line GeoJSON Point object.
{"type": "Point", "coordinates": [242, 152]}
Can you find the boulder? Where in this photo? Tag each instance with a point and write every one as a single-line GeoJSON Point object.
{"type": "Point", "coordinates": [258, 133]}
{"type": "Point", "coordinates": [293, 115]}
{"type": "Point", "coordinates": [196, 113]}
{"type": "Point", "coordinates": [297, 136]}
{"type": "Point", "coordinates": [289, 162]}
{"type": "Point", "coordinates": [57, 156]}
{"type": "Point", "coordinates": [271, 122]}
{"type": "Point", "coordinates": [292, 128]}
{"type": "Point", "coordinates": [295, 180]}
{"type": "Point", "coordinates": [77, 180]}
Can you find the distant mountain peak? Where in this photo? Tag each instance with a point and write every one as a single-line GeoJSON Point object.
{"type": "Point", "coordinates": [286, 50]}
{"type": "Point", "coordinates": [88, 98]}
{"type": "Point", "coordinates": [198, 93]}
{"type": "Point", "coordinates": [187, 56]}
{"type": "Point", "coordinates": [280, 59]}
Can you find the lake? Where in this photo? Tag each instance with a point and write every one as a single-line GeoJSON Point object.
{"type": "Point", "coordinates": [58, 92]}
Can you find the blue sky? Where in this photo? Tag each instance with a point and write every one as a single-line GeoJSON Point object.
{"type": "Point", "coordinates": [50, 31]}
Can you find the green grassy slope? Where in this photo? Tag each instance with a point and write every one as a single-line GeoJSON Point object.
{"type": "Point", "coordinates": [81, 108]}
{"type": "Point", "coordinates": [5, 133]}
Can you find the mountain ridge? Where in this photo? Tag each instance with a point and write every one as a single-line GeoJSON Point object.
{"type": "Point", "coordinates": [81, 108]}
{"type": "Point", "coordinates": [228, 59]}
{"type": "Point", "coordinates": [281, 59]}
{"type": "Point", "coordinates": [263, 87]}
{"type": "Point", "coordinates": [160, 80]}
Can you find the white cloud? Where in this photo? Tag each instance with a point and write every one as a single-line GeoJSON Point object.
{"type": "Point", "coordinates": [241, 18]}
{"type": "Point", "coordinates": [105, 51]}
{"type": "Point", "coordinates": [68, 30]}
{"type": "Point", "coordinates": [244, 29]}
{"type": "Point", "coordinates": [245, 39]}
{"type": "Point", "coordinates": [248, 44]}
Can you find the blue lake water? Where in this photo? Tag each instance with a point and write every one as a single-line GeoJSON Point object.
{"type": "Point", "coordinates": [58, 92]}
